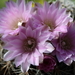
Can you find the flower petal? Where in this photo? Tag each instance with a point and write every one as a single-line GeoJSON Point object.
{"type": "Point", "coordinates": [68, 61]}
{"type": "Point", "coordinates": [30, 59]}
{"type": "Point", "coordinates": [25, 66]}
{"type": "Point", "coordinates": [49, 47]}
{"type": "Point", "coordinates": [18, 60]}
{"type": "Point", "coordinates": [10, 55]}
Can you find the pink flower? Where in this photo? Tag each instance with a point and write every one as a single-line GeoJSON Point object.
{"type": "Point", "coordinates": [48, 63]}
{"type": "Point", "coordinates": [13, 16]}
{"type": "Point", "coordinates": [65, 45]}
{"type": "Point", "coordinates": [27, 47]}
{"type": "Point", "coordinates": [53, 16]}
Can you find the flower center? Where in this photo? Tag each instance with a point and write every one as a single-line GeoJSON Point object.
{"type": "Point", "coordinates": [65, 43]}
{"type": "Point", "coordinates": [50, 24]}
{"type": "Point", "coordinates": [18, 24]}
{"type": "Point", "coordinates": [29, 44]}
{"type": "Point", "coordinates": [21, 24]}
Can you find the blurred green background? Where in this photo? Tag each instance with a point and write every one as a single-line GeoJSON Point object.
{"type": "Point", "coordinates": [2, 2]}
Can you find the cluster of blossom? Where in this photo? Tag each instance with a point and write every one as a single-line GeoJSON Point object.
{"type": "Point", "coordinates": [34, 35]}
